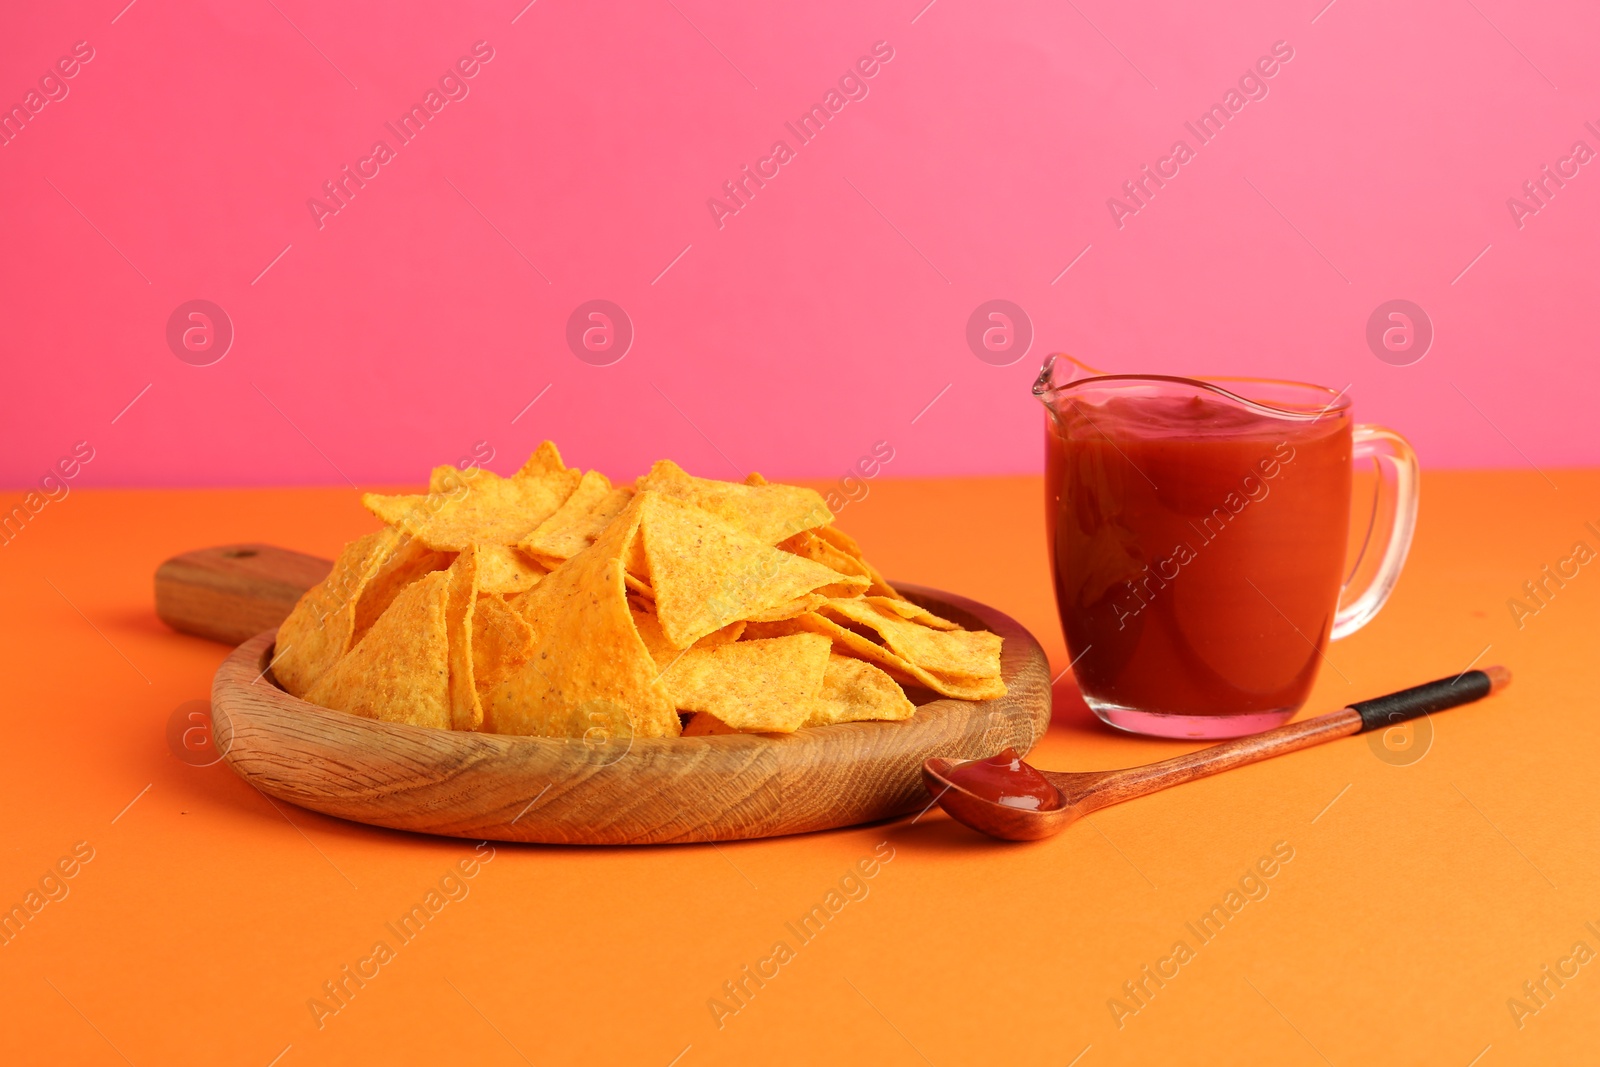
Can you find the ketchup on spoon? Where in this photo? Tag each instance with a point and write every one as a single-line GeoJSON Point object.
{"type": "Point", "coordinates": [1006, 779]}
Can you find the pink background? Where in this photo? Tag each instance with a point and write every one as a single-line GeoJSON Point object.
{"type": "Point", "coordinates": [830, 311]}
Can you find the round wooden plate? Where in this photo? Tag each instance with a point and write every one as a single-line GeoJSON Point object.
{"type": "Point", "coordinates": [626, 792]}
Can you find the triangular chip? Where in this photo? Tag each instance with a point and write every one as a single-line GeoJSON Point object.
{"type": "Point", "coordinates": [814, 548]}
{"type": "Point", "coordinates": [406, 561]}
{"type": "Point", "coordinates": [753, 686]}
{"type": "Point", "coordinates": [588, 666]}
{"type": "Point", "coordinates": [769, 513]}
{"type": "Point", "coordinates": [506, 570]}
{"type": "Point", "coordinates": [466, 713]}
{"type": "Point", "coordinates": [854, 690]}
{"type": "Point", "coordinates": [483, 507]}
{"type": "Point", "coordinates": [502, 641]}
{"type": "Point", "coordinates": [789, 609]}
{"type": "Point", "coordinates": [706, 574]}
{"type": "Point", "coordinates": [952, 653]}
{"type": "Point", "coordinates": [322, 626]}
{"type": "Point", "coordinates": [655, 642]}
{"type": "Point", "coordinates": [580, 520]}
{"type": "Point", "coordinates": [662, 652]}
{"type": "Point", "coordinates": [907, 610]}
{"type": "Point", "coordinates": [546, 459]}
{"type": "Point", "coordinates": [400, 672]}
{"type": "Point", "coordinates": [847, 544]}
{"type": "Point", "coordinates": [447, 478]}
{"type": "Point", "coordinates": [860, 646]}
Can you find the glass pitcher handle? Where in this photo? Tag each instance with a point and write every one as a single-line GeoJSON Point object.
{"type": "Point", "coordinates": [1393, 521]}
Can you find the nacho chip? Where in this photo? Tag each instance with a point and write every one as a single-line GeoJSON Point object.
{"type": "Point", "coordinates": [851, 643]}
{"type": "Point", "coordinates": [661, 650]}
{"type": "Point", "coordinates": [466, 712]}
{"type": "Point", "coordinates": [580, 520]}
{"type": "Point", "coordinates": [769, 513]}
{"type": "Point", "coordinates": [587, 660]}
{"type": "Point", "coordinates": [655, 642]}
{"type": "Point", "coordinates": [788, 610]}
{"type": "Point", "coordinates": [907, 610]}
{"type": "Point", "coordinates": [952, 653]}
{"type": "Point", "coordinates": [854, 690]}
{"type": "Point", "coordinates": [487, 508]}
{"type": "Point", "coordinates": [408, 560]}
{"type": "Point", "coordinates": [725, 636]}
{"type": "Point", "coordinates": [546, 459]}
{"type": "Point", "coordinates": [753, 686]}
{"type": "Point", "coordinates": [449, 478]}
{"type": "Point", "coordinates": [847, 544]}
{"type": "Point", "coordinates": [502, 641]}
{"type": "Point", "coordinates": [706, 574]}
{"type": "Point", "coordinates": [505, 570]}
{"type": "Point", "coordinates": [814, 548]}
{"type": "Point", "coordinates": [400, 672]}
{"type": "Point", "coordinates": [321, 628]}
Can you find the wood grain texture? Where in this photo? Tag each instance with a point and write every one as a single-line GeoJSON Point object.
{"type": "Point", "coordinates": [230, 593]}
{"type": "Point", "coordinates": [618, 792]}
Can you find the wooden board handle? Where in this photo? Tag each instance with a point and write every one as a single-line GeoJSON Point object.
{"type": "Point", "coordinates": [230, 593]}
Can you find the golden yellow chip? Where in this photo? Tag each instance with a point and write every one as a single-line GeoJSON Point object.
{"type": "Point", "coordinates": [448, 478]}
{"type": "Point", "coordinates": [588, 666]}
{"type": "Point", "coordinates": [907, 610]}
{"type": "Point", "coordinates": [406, 561]}
{"type": "Point", "coordinates": [506, 570]}
{"type": "Point", "coordinates": [577, 523]}
{"type": "Point", "coordinates": [639, 588]}
{"type": "Point", "coordinates": [854, 690]}
{"type": "Point", "coordinates": [725, 636]}
{"type": "Point", "coordinates": [847, 544]}
{"type": "Point", "coordinates": [953, 653]}
{"type": "Point", "coordinates": [400, 672]}
{"type": "Point", "coordinates": [753, 686]}
{"type": "Point", "coordinates": [466, 713]}
{"type": "Point", "coordinates": [502, 641]}
{"type": "Point", "coordinates": [789, 609]}
{"type": "Point", "coordinates": [546, 459]}
{"type": "Point", "coordinates": [769, 513]}
{"type": "Point", "coordinates": [655, 642]}
{"type": "Point", "coordinates": [705, 574]}
{"type": "Point", "coordinates": [662, 651]}
{"type": "Point", "coordinates": [481, 508]}
{"type": "Point", "coordinates": [813, 547]}
{"type": "Point", "coordinates": [855, 644]}
{"type": "Point", "coordinates": [321, 628]}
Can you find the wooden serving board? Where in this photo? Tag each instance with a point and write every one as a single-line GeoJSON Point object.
{"type": "Point", "coordinates": [570, 791]}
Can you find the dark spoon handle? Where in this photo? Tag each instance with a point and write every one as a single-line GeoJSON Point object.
{"type": "Point", "coordinates": [1424, 699]}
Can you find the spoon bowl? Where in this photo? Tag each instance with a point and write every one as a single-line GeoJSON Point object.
{"type": "Point", "coordinates": [989, 817]}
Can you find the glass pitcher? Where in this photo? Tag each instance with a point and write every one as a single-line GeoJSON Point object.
{"type": "Point", "coordinates": [1198, 531]}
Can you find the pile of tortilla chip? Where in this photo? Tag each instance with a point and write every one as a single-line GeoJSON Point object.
{"type": "Point", "coordinates": [556, 604]}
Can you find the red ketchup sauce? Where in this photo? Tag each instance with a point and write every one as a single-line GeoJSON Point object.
{"type": "Point", "coordinates": [1006, 779]}
{"type": "Point", "coordinates": [1198, 551]}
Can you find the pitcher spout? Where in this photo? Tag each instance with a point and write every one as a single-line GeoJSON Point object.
{"type": "Point", "coordinates": [1061, 371]}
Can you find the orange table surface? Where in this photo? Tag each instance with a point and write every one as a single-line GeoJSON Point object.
{"type": "Point", "coordinates": [1420, 898]}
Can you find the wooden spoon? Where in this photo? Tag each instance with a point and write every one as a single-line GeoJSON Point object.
{"type": "Point", "coordinates": [1084, 791]}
